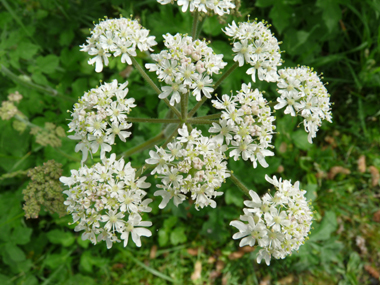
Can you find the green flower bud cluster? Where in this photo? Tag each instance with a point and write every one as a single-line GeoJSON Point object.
{"type": "Point", "coordinates": [44, 190]}
{"type": "Point", "coordinates": [8, 109]}
{"type": "Point", "coordinates": [50, 135]}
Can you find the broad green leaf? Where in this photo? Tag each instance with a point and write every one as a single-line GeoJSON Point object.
{"type": "Point", "coordinates": [66, 37]}
{"type": "Point", "coordinates": [178, 236]}
{"type": "Point", "coordinates": [331, 13]}
{"type": "Point", "coordinates": [86, 261]}
{"type": "Point", "coordinates": [47, 64]}
{"type": "Point", "coordinates": [326, 228]}
{"type": "Point", "coordinates": [300, 140]}
{"type": "Point", "coordinates": [162, 237]}
{"type": "Point", "coordinates": [27, 50]}
{"type": "Point", "coordinates": [21, 235]}
{"type": "Point", "coordinates": [280, 15]}
{"type": "Point", "coordinates": [211, 26]}
{"type": "Point", "coordinates": [264, 3]}
{"type": "Point", "coordinates": [60, 237]}
{"type": "Point", "coordinates": [14, 252]}
{"type": "Point", "coordinates": [170, 222]}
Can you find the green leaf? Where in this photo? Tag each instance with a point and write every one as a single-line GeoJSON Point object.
{"type": "Point", "coordinates": [162, 237]}
{"type": "Point", "coordinates": [170, 222]}
{"type": "Point", "coordinates": [14, 252]}
{"type": "Point", "coordinates": [21, 235]}
{"type": "Point", "coordinates": [331, 13]}
{"type": "Point", "coordinates": [280, 15]}
{"type": "Point", "coordinates": [86, 261]}
{"type": "Point", "coordinates": [234, 196]}
{"type": "Point", "coordinates": [178, 236]}
{"type": "Point", "coordinates": [326, 228]}
{"type": "Point", "coordinates": [61, 237]}
{"type": "Point", "coordinates": [300, 140]}
{"type": "Point", "coordinates": [212, 26]}
{"type": "Point", "coordinates": [66, 37]}
{"type": "Point", "coordinates": [264, 3]}
{"type": "Point", "coordinates": [27, 50]}
{"type": "Point", "coordinates": [47, 64]}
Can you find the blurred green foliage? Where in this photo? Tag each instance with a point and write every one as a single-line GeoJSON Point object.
{"type": "Point", "coordinates": [40, 58]}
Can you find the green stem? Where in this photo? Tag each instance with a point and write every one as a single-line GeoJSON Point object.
{"type": "Point", "coordinates": [239, 184]}
{"type": "Point", "coordinates": [195, 25]}
{"type": "Point", "coordinates": [146, 166]}
{"type": "Point", "coordinates": [154, 86]}
{"type": "Point", "coordinates": [196, 107]}
{"type": "Point", "coordinates": [48, 90]}
{"type": "Point", "coordinates": [199, 29]}
{"type": "Point", "coordinates": [152, 120]}
{"type": "Point", "coordinates": [225, 75]}
{"type": "Point", "coordinates": [147, 268]}
{"type": "Point", "coordinates": [198, 121]}
{"type": "Point", "coordinates": [213, 116]}
{"type": "Point", "coordinates": [184, 102]}
{"type": "Point", "coordinates": [149, 143]}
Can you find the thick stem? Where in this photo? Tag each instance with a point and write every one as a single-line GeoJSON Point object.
{"type": "Point", "coordinates": [48, 90]}
{"type": "Point", "coordinates": [152, 120]}
{"type": "Point", "coordinates": [195, 25]}
{"type": "Point", "coordinates": [239, 184]}
{"type": "Point", "coordinates": [225, 75]}
{"type": "Point", "coordinates": [197, 121]}
{"type": "Point", "coordinates": [154, 86]}
{"type": "Point", "coordinates": [184, 103]}
{"type": "Point", "coordinates": [213, 116]}
{"type": "Point", "coordinates": [146, 166]}
{"type": "Point", "coordinates": [149, 143]}
{"type": "Point", "coordinates": [196, 107]}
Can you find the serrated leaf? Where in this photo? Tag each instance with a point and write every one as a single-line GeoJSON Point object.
{"type": "Point", "coordinates": [178, 236]}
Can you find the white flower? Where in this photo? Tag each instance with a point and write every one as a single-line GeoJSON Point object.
{"type": "Point", "coordinates": [110, 188]}
{"type": "Point", "coordinates": [99, 116]}
{"type": "Point", "coordinates": [279, 224]}
{"type": "Point", "coordinates": [186, 66]}
{"type": "Point", "coordinates": [255, 44]}
{"type": "Point", "coordinates": [119, 37]}
{"type": "Point", "coordinates": [303, 93]}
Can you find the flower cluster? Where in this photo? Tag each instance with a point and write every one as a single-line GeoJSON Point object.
{"type": "Point", "coordinates": [302, 92]}
{"type": "Point", "coordinates": [100, 116]}
{"type": "Point", "coordinates": [120, 37]}
{"type": "Point", "coordinates": [255, 44]}
{"type": "Point", "coordinates": [194, 164]}
{"type": "Point", "coordinates": [219, 7]}
{"type": "Point", "coordinates": [106, 201]}
{"type": "Point", "coordinates": [279, 223]}
{"type": "Point", "coordinates": [186, 65]}
{"type": "Point", "coordinates": [246, 124]}
{"type": "Point", "coordinates": [44, 190]}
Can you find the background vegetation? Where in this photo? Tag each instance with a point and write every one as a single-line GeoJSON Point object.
{"type": "Point", "coordinates": [40, 58]}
